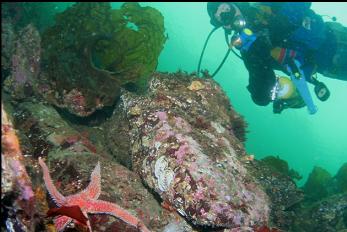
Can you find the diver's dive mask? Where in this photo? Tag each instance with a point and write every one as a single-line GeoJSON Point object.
{"type": "Point", "coordinates": [226, 18]}
{"type": "Point", "coordinates": [231, 22]}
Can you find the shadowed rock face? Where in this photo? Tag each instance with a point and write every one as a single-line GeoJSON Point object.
{"type": "Point", "coordinates": [183, 146]}
{"type": "Point", "coordinates": [23, 60]}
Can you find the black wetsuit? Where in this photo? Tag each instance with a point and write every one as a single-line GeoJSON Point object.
{"type": "Point", "coordinates": [282, 28]}
{"type": "Point", "coordinates": [258, 60]}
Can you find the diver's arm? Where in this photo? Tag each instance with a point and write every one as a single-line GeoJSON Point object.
{"type": "Point", "coordinates": [261, 75]}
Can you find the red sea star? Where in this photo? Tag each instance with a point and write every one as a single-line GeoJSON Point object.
{"type": "Point", "coordinates": [86, 201]}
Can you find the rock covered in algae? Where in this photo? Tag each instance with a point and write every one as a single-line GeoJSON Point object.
{"type": "Point", "coordinates": [18, 200]}
{"type": "Point", "coordinates": [183, 146]}
{"type": "Point", "coordinates": [40, 14]}
{"type": "Point", "coordinates": [278, 182]}
{"type": "Point", "coordinates": [118, 185]}
{"type": "Point", "coordinates": [7, 44]}
{"type": "Point", "coordinates": [280, 166]}
{"type": "Point", "coordinates": [318, 184]}
{"type": "Point", "coordinates": [321, 184]}
{"type": "Point", "coordinates": [91, 52]}
{"type": "Point", "coordinates": [341, 179]}
{"type": "Point", "coordinates": [44, 130]}
{"type": "Point", "coordinates": [25, 62]}
{"type": "Point", "coordinates": [327, 215]}
{"type": "Point", "coordinates": [71, 157]}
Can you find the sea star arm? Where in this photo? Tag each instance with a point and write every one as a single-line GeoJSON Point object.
{"type": "Point", "coordinates": [104, 207]}
{"type": "Point", "coordinates": [93, 190]}
{"type": "Point", "coordinates": [57, 197]}
{"type": "Point", "coordinates": [61, 222]}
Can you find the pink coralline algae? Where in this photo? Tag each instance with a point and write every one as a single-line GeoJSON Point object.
{"type": "Point", "coordinates": [182, 124]}
{"type": "Point", "coordinates": [182, 151]}
{"type": "Point", "coordinates": [198, 170]}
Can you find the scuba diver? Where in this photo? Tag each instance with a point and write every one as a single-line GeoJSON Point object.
{"type": "Point", "coordinates": [285, 36]}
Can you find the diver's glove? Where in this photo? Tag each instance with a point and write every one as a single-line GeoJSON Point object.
{"type": "Point", "coordinates": [278, 106]}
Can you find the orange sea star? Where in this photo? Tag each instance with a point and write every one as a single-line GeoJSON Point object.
{"type": "Point", "coordinates": [87, 201]}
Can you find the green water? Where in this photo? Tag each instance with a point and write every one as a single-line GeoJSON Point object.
{"type": "Point", "coordinates": [301, 139]}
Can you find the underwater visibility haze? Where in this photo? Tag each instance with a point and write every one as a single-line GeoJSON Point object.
{"type": "Point", "coordinates": [107, 126]}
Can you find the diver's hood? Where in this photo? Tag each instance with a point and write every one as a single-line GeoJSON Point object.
{"type": "Point", "coordinates": [236, 21]}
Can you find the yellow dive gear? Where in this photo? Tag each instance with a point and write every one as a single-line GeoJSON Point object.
{"type": "Point", "coordinates": [286, 88]}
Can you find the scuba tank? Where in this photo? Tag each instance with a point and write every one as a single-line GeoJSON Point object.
{"type": "Point", "coordinates": [285, 95]}
{"type": "Point", "coordinates": [286, 89]}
